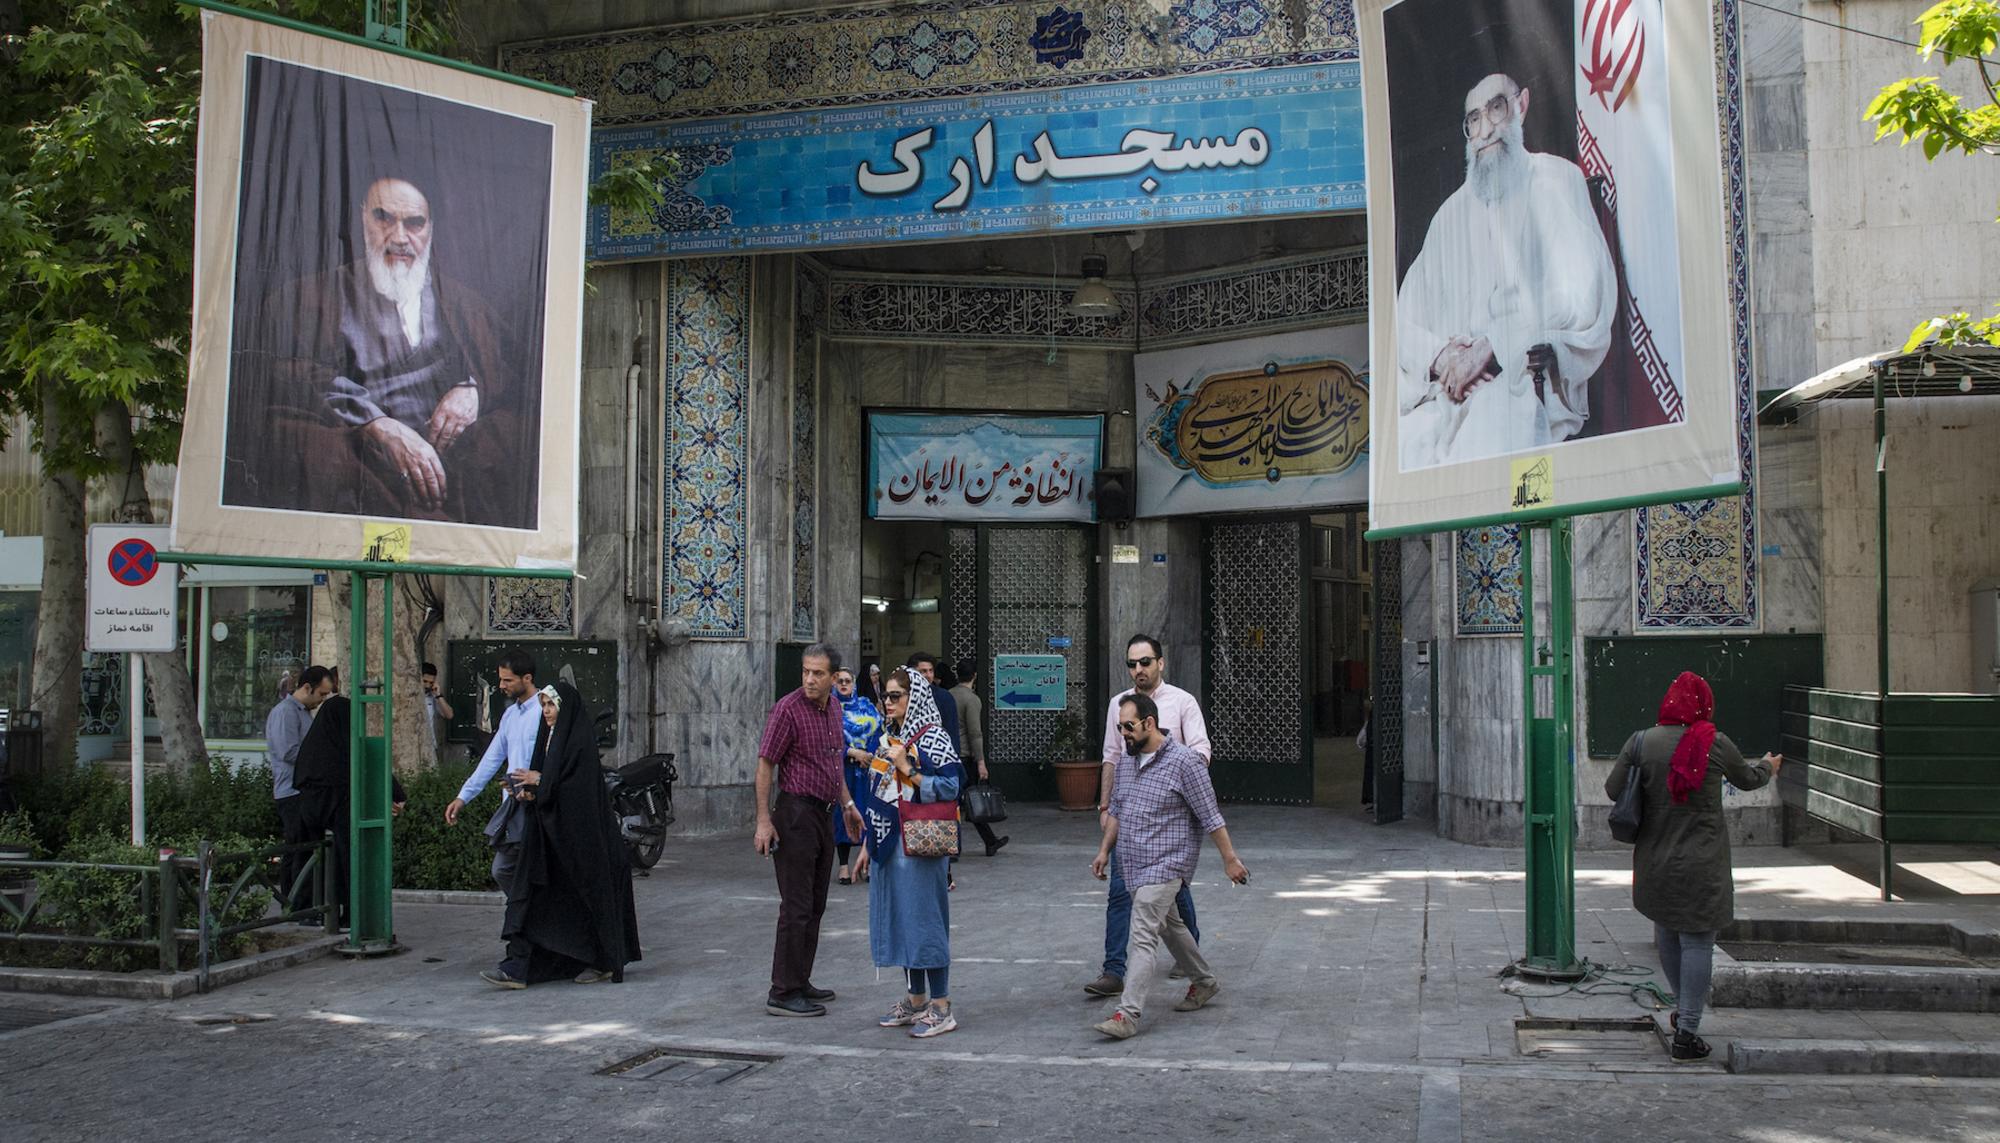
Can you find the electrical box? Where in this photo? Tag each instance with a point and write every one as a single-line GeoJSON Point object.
{"type": "Point", "coordinates": [1985, 637]}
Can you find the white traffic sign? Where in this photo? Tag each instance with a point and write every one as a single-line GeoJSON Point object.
{"type": "Point", "coordinates": [134, 596]}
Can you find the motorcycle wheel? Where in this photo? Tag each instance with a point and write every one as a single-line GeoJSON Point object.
{"type": "Point", "coordinates": [646, 853]}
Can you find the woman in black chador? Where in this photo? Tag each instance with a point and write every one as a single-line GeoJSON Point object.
{"type": "Point", "coordinates": [580, 917]}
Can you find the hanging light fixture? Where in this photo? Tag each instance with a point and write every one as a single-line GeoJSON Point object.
{"type": "Point", "coordinates": [1094, 298]}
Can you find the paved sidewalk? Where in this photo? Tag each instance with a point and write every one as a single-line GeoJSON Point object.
{"type": "Point", "coordinates": [1359, 1000]}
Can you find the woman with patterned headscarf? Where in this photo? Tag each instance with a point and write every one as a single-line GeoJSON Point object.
{"type": "Point", "coordinates": [909, 911]}
{"type": "Point", "coordinates": [861, 722]}
{"type": "Point", "coordinates": [1681, 876]}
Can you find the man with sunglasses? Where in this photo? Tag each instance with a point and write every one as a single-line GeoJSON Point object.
{"type": "Point", "coordinates": [1507, 310]}
{"type": "Point", "coordinates": [1161, 805]}
{"type": "Point", "coordinates": [1180, 720]}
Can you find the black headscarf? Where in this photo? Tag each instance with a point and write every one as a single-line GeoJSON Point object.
{"type": "Point", "coordinates": [580, 908]}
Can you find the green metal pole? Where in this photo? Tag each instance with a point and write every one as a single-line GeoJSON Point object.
{"type": "Point", "coordinates": [369, 879]}
{"type": "Point", "coordinates": [1882, 614]}
{"type": "Point", "coordinates": [1549, 779]}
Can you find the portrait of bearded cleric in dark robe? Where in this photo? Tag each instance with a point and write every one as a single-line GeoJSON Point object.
{"type": "Point", "coordinates": [386, 348]}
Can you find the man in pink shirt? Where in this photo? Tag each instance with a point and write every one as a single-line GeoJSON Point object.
{"type": "Point", "coordinates": [1181, 721]}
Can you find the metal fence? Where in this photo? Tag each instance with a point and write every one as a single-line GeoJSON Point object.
{"type": "Point", "coordinates": [203, 900]}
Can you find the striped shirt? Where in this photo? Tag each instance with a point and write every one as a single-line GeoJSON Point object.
{"type": "Point", "coordinates": [1159, 800]}
{"type": "Point", "coordinates": [806, 743]}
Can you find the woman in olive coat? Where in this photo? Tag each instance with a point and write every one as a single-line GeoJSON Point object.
{"type": "Point", "coordinates": [1681, 876]}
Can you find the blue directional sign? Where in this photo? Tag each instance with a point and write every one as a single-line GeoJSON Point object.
{"type": "Point", "coordinates": [1029, 682]}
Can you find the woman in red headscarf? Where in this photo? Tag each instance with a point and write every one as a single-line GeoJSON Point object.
{"type": "Point", "coordinates": [1681, 878]}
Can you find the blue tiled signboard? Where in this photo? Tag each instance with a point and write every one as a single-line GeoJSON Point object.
{"type": "Point", "coordinates": [1271, 141]}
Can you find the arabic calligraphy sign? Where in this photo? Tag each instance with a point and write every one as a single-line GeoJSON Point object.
{"type": "Point", "coordinates": [1260, 423]}
{"type": "Point", "coordinates": [1270, 141]}
{"type": "Point", "coordinates": [982, 467]}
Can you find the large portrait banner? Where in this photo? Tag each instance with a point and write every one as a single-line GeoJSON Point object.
{"type": "Point", "coordinates": [388, 297]}
{"type": "Point", "coordinates": [1548, 259]}
{"type": "Point", "coordinates": [1258, 423]}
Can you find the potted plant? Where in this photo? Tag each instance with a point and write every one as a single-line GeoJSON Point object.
{"type": "Point", "coordinates": [1076, 765]}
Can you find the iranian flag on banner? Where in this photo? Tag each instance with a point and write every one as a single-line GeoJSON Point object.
{"type": "Point", "coordinates": [1625, 148]}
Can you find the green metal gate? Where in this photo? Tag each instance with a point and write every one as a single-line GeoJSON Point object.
{"type": "Point", "coordinates": [1254, 663]}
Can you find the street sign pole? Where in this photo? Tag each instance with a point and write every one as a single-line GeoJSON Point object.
{"type": "Point", "coordinates": [1549, 805]}
{"type": "Point", "coordinates": [135, 720]}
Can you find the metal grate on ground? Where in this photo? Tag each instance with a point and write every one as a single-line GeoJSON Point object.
{"type": "Point", "coordinates": [689, 1066]}
{"type": "Point", "coordinates": [1589, 1040]}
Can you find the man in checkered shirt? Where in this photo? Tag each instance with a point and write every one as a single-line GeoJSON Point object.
{"type": "Point", "coordinates": [1161, 804]}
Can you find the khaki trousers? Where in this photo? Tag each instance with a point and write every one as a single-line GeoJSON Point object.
{"type": "Point", "coordinates": [1154, 918]}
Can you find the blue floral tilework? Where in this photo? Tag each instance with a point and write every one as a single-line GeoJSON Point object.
{"type": "Point", "coordinates": [708, 443]}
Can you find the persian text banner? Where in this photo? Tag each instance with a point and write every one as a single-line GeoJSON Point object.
{"type": "Point", "coordinates": [1264, 422]}
{"type": "Point", "coordinates": [990, 467]}
{"type": "Point", "coordinates": [1274, 141]}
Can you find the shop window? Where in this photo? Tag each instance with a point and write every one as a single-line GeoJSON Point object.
{"type": "Point", "coordinates": [255, 641]}
{"type": "Point", "coordinates": [17, 646]}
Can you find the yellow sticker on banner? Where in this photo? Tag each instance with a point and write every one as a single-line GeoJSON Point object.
{"type": "Point", "coordinates": [1534, 483]}
{"type": "Point", "coordinates": [385, 543]}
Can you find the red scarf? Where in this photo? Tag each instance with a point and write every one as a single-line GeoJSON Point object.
{"type": "Point", "coordinates": [1689, 703]}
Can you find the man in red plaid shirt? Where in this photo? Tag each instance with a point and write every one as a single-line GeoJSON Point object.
{"type": "Point", "coordinates": [1161, 804]}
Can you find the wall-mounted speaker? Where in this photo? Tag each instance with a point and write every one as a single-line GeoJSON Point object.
{"type": "Point", "coordinates": [1114, 494]}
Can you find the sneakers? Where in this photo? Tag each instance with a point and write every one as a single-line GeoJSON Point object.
{"type": "Point", "coordinates": [901, 1015]}
{"type": "Point", "coordinates": [818, 995]}
{"type": "Point", "coordinates": [1106, 985]}
{"type": "Point", "coordinates": [500, 978]}
{"type": "Point", "coordinates": [935, 1021]}
{"type": "Point", "coordinates": [1198, 996]}
{"type": "Point", "coordinates": [595, 976]}
{"type": "Point", "coordinates": [1689, 1048]}
{"type": "Point", "coordinates": [1118, 1027]}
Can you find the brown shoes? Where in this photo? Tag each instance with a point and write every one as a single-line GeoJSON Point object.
{"type": "Point", "coordinates": [1106, 985]}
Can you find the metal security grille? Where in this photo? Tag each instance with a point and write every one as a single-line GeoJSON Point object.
{"type": "Point", "coordinates": [961, 637]}
{"type": "Point", "coordinates": [1254, 584]}
{"type": "Point", "coordinates": [1037, 587]}
{"type": "Point", "coordinates": [1385, 733]}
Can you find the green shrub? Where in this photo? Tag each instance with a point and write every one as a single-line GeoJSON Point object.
{"type": "Point", "coordinates": [17, 829]}
{"type": "Point", "coordinates": [432, 855]}
{"type": "Point", "coordinates": [211, 800]}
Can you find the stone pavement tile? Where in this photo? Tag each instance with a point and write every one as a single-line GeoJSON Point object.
{"type": "Point", "coordinates": [1908, 1026]}
{"type": "Point", "coordinates": [1775, 1023]}
{"type": "Point", "coordinates": [1972, 1026]}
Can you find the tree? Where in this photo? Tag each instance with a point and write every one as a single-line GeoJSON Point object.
{"type": "Point", "coordinates": [98, 107]}
{"type": "Point", "coordinates": [1924, 112]}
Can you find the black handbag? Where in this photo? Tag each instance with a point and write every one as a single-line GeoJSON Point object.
{"type": "Point", "coordinates": [985, 804]}
{"type": "Point", "coordinates": [1630, 808]}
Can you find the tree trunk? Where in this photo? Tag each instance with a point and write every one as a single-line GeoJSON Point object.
{"type": "Point", "coordinates": [182, 742]}
{"type": "Point", "coordinates": [410, 742]}
{"type": "Point", "coordinates": [56, 683]}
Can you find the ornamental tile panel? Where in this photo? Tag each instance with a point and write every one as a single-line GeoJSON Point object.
{"type": "Point", "coordinates": [530, 606]}
{"type": "Point", "coordinates": [808, 323]}
{"type": "Point", "coordinates": [707, 526]}
{"type": "Point", "coordinates": [834, 57]}
{"type": "Point", "coordinates": [1487, 580]}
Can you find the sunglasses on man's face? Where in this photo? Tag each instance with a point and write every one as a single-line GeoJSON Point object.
{"type": "Point", "coordinates": [1130, 727]}
{"type": "Point", "coordinates": [1135, 664]}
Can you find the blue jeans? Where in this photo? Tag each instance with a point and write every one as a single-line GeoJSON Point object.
{"type": "Point", "coordinates": [932, 982]}
{"type": "Point", "coordinates": [1118, 918]}
{"type": "Point", "coordinates": [1687, 960]}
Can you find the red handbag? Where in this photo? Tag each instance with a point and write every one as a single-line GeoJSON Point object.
{"type": "Point", "coordinates": [930, 829]}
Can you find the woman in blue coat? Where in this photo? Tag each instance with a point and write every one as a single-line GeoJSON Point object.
{"type": "Point", "coordinates": [862, 724]}
{"type": "Point", "coordinates": [909, 909]}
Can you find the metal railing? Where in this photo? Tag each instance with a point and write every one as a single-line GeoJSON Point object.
{"type": "Point", "coordinates": [210, 885]}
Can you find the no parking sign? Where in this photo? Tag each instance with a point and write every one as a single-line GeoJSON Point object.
{"type": "Point", "coordinates": [133, 594]}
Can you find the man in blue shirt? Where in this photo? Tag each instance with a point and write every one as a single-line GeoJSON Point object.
{"type": "Point", "coordinates": [514, 745]}
{"type": "Point", "coordinates": [284, 729]}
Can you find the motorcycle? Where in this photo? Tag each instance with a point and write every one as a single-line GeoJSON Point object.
{"type": "Point", "coordinates": [642, 802]}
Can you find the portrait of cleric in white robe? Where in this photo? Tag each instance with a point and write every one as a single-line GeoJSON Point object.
{"type": "Point", "coordinates": [386, 349]}
{"type": "Point", "coordinates": [1512, 332]}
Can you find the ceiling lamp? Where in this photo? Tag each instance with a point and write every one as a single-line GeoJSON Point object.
{"type": "Point", "coordinates": [1094, 298]}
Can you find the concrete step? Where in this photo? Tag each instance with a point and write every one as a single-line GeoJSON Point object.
{"type": "Point", "coordinates": [1953, 1058]}
{"type": "Point", "coordinates": [1866, 987]}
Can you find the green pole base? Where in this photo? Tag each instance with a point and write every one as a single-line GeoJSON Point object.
{"type": "Point", "coordinates": [353, 948]}
{"type": "Point", "coordinates": [1545, 968]}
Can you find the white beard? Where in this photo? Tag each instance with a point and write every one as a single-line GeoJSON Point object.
{"type": "Point", "coordinates": [403, 285]}
{"type": "Point", "coordinates": [1497, 173]}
